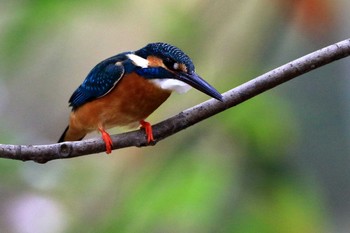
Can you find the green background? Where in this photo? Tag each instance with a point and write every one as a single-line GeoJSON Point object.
{"type": "Point", "coordinates": [276, 163]}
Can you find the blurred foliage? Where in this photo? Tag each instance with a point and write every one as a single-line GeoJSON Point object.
{"type": "Point", "coordinates": [230, 173]}
{"type": "Point", "coordinates": [40, 17]}
{"type": "Point", "coordinates": [184, 196]}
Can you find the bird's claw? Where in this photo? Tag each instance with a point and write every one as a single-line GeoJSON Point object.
{"type": "Point", "coordinates": [148, 129]}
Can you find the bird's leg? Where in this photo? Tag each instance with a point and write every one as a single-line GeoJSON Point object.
{"type": "Point", "coordinates": [148, 129]}
{"type": "Point", "coordinates": [107, 139]}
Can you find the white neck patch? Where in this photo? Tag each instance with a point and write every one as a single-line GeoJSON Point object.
{"type": "Point", "coordinates": [172, 85]}
{"type": "Point", "coordinates": [137, 60]}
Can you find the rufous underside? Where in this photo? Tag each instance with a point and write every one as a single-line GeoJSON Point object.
{"type": "Point", "coordinates": [133, 99]}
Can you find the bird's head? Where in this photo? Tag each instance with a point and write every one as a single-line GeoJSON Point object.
{"type": "Point", "coordinates": [170, 68]}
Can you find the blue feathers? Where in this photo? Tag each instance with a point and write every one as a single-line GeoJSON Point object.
{"type": "Point", "coordinates": [101, 79]}
{"type": "Point", "coordinates": [167, 52]}
{"type": "Point", "coordinates": [154, 73]}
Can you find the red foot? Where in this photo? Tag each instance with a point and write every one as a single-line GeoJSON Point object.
{"type": "Point", "coordinates": [107, 139]}
{"type": "Point", "coordinates": [148, 128]}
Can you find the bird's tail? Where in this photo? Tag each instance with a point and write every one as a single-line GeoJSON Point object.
{"type": "Point", "coordinates": [71, 135]}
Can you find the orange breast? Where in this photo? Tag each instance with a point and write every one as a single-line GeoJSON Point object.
{"type": "Point", "coordinates": [133, 99]}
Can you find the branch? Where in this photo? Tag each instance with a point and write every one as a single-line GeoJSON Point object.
{"type": "Point", "coordinates": [187, 118]}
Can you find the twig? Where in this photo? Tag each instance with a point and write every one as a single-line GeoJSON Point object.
{"type": "Point", "coordinates": [191, 116]}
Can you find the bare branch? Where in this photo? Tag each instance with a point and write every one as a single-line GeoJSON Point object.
{"type": "Point", "coordinates": [191, 116]}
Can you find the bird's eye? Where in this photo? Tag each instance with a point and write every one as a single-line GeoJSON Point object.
{"type": "Point", "coordinates": [171, 64]}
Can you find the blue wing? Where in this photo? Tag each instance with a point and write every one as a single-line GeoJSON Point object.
{"type": "Point", "coordinates": [101, 80]}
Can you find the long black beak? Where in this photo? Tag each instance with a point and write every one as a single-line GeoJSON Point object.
{"type": "Point", "coordinates": [200, 84]}
{"type": "Point", "coordinates": [191, 79]}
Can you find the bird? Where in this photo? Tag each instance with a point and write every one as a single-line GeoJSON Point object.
{"type": "Point", "coordinates": [125, 89]}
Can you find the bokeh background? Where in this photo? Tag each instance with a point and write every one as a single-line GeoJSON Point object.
{"type": "Point", "coordinates": [277, 163]}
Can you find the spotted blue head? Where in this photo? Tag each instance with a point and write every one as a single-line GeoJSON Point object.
{"type": "Point", "coordinates": [166, 65]}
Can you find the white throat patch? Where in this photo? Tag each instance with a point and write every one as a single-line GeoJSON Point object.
{"type": "Point", "coordinates": [172, 85]}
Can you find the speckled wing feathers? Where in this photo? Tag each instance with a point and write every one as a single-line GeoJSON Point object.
{"type": "Point", "coordinates": [101, 80]}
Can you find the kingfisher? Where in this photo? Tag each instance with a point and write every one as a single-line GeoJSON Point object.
{"type": "Point", "coordinates": [125, 89]}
